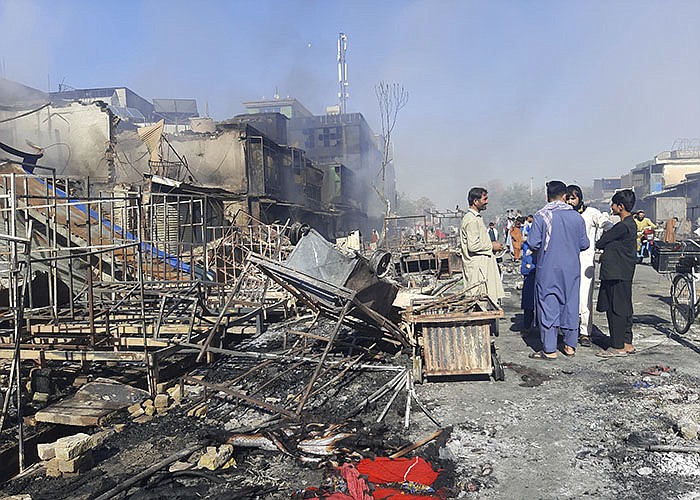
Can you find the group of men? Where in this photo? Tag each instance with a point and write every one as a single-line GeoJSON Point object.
{"type": "Point", "coordinates": [562, 238]}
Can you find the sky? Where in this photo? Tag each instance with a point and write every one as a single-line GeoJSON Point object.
{"type": "Point", "coordinates": [498, 89]}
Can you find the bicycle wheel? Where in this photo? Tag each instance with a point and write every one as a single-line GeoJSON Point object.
{"type": "Point", "coordinates": [682, 303]}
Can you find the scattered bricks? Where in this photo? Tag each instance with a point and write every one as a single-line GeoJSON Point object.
{"type": "Point", "coordinates": [150, 410]}
{"type": "Point", "coordinates": [70, 447]}
{"type": "Point", "coordinates": [214, 459]}
{"type": "Point", "coordinates": [137, 413]}
{"type": "Point", "coordinates": [143, 419]}
{"type": "Point", "coordinates": [46, 451]}
{"type": "Point", "coordinates": [52, 469]}
{"type": "Point", "coordinates": [78, 464]}
{"type": "Point", "coordinates": [135, 408]}
{"type": "Point", "coordinates": [162, 401]}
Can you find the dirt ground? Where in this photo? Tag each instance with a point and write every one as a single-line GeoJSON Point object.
{"type": "Point", "coordinates": [570, 428]}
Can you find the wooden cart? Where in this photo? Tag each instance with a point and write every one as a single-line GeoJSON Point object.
{"type": "Point", "coordinates": [452, 336]}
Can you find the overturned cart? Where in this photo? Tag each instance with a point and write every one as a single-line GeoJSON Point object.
{"type": "Point", "coordinates": [452, 336]}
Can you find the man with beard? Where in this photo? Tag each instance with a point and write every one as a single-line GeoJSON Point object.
{"type": "Point", "coordinates": [596, 222]}
{"type": "Point", "coordinates": [481, 275]}
{"type": "Point", "coordinates": [558, 235]}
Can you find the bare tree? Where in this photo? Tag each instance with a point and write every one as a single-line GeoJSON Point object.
{"type": "Point", "coordinates": [392, 97]}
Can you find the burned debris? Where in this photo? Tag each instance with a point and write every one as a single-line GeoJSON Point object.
{"type": "Point", "coordinates": [150, 306]}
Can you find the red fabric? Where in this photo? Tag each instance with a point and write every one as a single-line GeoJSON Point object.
{"type": "Point", "coordinates": [358, 489]}
{"type": "Point", "coordinates": [385, 470]}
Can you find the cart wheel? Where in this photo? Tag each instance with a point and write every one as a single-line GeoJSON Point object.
{"type": "Point", "coordinates": [499, 373]}
{"type": "Point", "coordinates": [682, 303]}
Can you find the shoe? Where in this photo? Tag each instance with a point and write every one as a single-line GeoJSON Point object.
{"type": "Point", "coordinates": [611, 353]}
{"type": "Point", "coordinates": [569, 351]}
{"type": "Point", "coordinates": [585, 341]}
{"type": "Point", "coordinates": [542, 355]}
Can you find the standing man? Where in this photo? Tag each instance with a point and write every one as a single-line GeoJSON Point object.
{"type": "Point", "coordinates": [596, 222]}
{"type": "Point", "coordinates": [616, 272]}
{"type": "Point", "coordinates": [558, 235]}
{"type": "Point", "coordinates": [478, 261]}
{"type": "Point", "coordinates": [493, 232]}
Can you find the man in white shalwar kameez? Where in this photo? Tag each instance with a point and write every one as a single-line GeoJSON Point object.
{"type": "Point", "coordinates": [596, 223]}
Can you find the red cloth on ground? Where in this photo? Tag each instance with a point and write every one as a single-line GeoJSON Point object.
{"type": "Point", "coordinates": [385, 470]}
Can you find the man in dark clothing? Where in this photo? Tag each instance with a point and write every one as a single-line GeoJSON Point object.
{"type": "Point", "coordinates": [617, 265]}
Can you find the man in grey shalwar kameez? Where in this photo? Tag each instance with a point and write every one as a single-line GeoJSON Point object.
{"type": "Point", "coordinates": [558, 234]}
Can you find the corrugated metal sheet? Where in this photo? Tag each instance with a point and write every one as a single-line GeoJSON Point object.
{"type": "Point", "coordinates": [457, 349]}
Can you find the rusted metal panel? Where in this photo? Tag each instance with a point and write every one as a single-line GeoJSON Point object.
{"type": "Point", "coordinates": [458, 349]}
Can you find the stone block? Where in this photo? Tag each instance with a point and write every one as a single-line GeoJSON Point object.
{"type": "Point", "coordinates": [137, 413]}
{"type": "Point", "coordinates": [162, 401]}
{"type": "Point", "coordinates": [52, 469]}
{"type": "Point", "coordinates": [147, 403]}
{"type": "Point", "coordinates": [46, 451]}
{"type": "Point", "coordinates": [70, 447]}
{"type": "Point", "coordinates": [214, 459]}
{"type": "Point", "coordinates": [40, 397]}
{"type": "Point", "coordinates": [163, 387]}
{"type": "Point", "coordinates": [149, 410]}
{"type": "Point", "coordinates": [135, 408]}
{"type": "Point", "coordinates": [78, 464]}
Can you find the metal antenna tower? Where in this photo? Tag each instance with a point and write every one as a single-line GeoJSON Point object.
{"type": "Point", "coordinates": [342, 73]}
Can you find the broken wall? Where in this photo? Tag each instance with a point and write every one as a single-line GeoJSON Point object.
{"type": "Point", "coordinates": [77, 139]}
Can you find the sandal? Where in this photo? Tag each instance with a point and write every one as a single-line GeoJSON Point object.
{"type": "Point", "coordinates": [611, 353]}
{"type": "Point", "coordinates": [541, 355]}
{"type": "Point", "coordinates": [569, 353]}
{"type": "Point", "coordinates": [584, 341]}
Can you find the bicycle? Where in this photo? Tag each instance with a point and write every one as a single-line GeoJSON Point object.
{"type": "Point", "coordinates": [685, 303]}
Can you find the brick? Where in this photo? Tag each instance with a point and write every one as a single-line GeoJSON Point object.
{"type": "Point", "coordinates": [147, 403]}
{"type": "Point", "coordinates": [162, 388]}
{"type": "Point", "coordinates": [46, 451]}
{"type": "Point", "coordinates": [78, 464]}
{"type": "Point", "coordinates": [70, 447]}
{"type": "Point", "coordinates": [52, 469]}
{"type": "Point", "coordinates": [150, 410]}
{"type": "Point", "coordinates": [137, 413]}
{"type": "Point", "coordinates": [40, 397]}
{"type": "Point", "coordinates": [134, 408]}
{"type": "Point", "coordinates": [201, 411]}
{"type": "Point", "coordinates": [214, 459]}
{"type": "Point", "coordinates": [162, 401]}
{"type": "Point", "coordinates": [119, 428]}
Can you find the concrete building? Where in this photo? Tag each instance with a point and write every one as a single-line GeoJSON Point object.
{"type": "Point", "coordinates": [665, 169]}
{"type": "Point", "coordinates": [289, 107]}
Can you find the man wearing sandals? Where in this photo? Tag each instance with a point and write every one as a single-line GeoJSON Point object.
{"type": "Point", "coordinates": [558, 234]}
{"type": "Point", "coordinates": [617, 264]}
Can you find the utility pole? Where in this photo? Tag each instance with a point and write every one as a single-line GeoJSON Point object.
{"type": "Point", "coordinates": [342, 73]}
